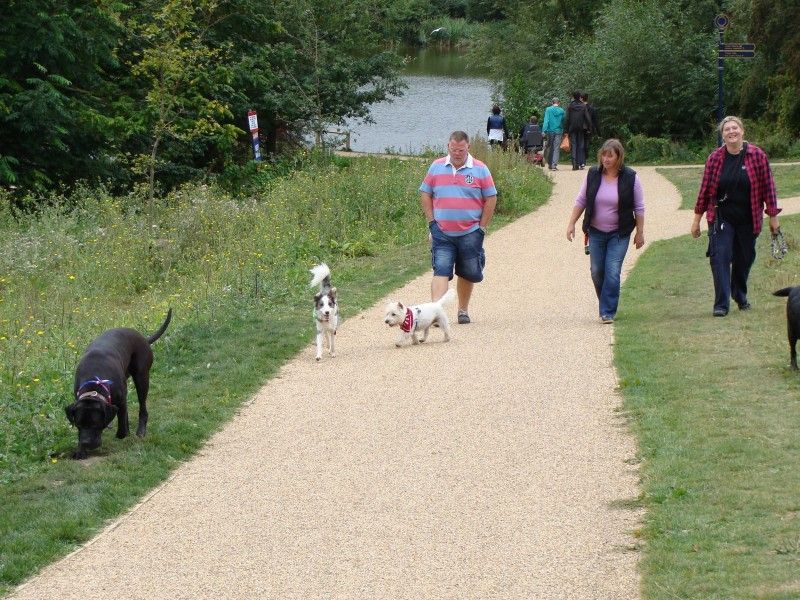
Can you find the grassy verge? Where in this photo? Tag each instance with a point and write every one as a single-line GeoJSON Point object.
{"type": "Point", "coordinates": [688, 179]}
{"type": "Point", "coordinates": [235, 270]}
{"type": "Point", "coordinates": [715, 409]}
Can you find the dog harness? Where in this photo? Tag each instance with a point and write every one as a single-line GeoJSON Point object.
{"type": "Point", "coordinates": [408, 323]}
{"type": "Point", "coordinates": [104, 384]}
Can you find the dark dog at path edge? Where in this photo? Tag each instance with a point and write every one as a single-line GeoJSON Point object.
{"type": "Point", "coordinates": [792, 319]}
{"type": "Point", "coordinates": [101, 384]}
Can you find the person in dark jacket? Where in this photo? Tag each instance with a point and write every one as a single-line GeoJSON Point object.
{"type": "Point", "coordinates": [496, 129]}
{"type": "Point", "coordinates": [613, 202]}
{"type": "Point", "coordinates": [737, 186]}
{"type": "Point", "coordinates": [576, 119]}
{"type": "Point", "coordinates": [592, 127]}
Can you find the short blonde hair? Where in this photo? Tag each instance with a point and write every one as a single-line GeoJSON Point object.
{"type": "Point", "coordinates": [728, 119]}
{"type": "Point", "coordinates": [609, 146]}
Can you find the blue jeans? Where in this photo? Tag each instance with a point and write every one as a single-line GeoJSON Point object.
{"type": "Point", "coordinates": [462, 253]}
{"type": "Point", "coordinates": [553, 149]}
{"type": "Point", "coordinates": [732, 252]}
{"type": "Point", "coordinates": [606, 253]}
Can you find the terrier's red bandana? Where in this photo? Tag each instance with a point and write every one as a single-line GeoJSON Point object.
{"type": "Point", "coordinates": [408, 322]}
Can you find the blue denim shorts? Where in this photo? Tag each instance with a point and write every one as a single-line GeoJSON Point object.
{"type": "Point", "coordinates": [463, 253]}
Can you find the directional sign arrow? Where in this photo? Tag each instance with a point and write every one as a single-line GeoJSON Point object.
{"type": "Point", "coordinates": [736, 53]}
{"type": "Point", "coordinates": [729, 46]}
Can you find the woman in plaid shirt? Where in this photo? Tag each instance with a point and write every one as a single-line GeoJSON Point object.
{"type": "Point", "coordinates": [737, 185]}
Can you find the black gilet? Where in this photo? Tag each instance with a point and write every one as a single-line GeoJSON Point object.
{"type": "Point", "coordinates": [627, 177]}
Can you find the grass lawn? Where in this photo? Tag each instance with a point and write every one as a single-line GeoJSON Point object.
{"type": "Point", "coordinates": [716, 411]}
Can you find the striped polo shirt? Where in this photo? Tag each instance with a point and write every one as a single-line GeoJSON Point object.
{"type": "Point", "coordinates": [458, 194]}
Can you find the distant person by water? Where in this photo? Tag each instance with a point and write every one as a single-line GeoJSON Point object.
{"type": "Point", "coordinates": [496, 129]}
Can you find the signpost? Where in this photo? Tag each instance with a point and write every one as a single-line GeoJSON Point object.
{"type": "Point", "coordinates": [252, 119]}
{"type": "Point", "coordinates": [737, 50]}
{"type": "Point", "coordinates": [729, 50]}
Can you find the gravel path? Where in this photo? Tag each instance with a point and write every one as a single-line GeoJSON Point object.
{"type": "Point", "coordinates": [493, 466]}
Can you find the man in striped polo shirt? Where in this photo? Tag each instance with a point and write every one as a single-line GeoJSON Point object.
{"type": "Point", "coordinates": [458, 197]}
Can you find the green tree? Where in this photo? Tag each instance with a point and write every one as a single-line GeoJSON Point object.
{"type": "Point", "coordinates": [770, 89]}
{"type": "Point", "coordinates": [331, 63]}
{"type": "Point", "coordinates": [54, 119]}
{"type": "Point", "coordinates": [643, 66]}
{"type": "Point", "coordinates": [179, 76]}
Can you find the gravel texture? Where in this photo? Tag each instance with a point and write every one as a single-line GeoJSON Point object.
{"type": "Point", "coordinates": [493, 466]}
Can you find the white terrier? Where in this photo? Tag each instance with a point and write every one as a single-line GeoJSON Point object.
{"type": "Point", "coordinates": [326, 309]}
{"type": "Point", "coordinates": [421, 317]}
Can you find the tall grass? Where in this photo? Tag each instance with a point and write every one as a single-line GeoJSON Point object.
{"type": "Point", "coordinates": [235, 271]}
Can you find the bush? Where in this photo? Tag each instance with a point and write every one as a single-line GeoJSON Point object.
{"type": "Point", "coordinates": [680, 153]}
{"type": "Point", "coordinates": [776, 145]}
{"type": "Point", "coordinates": [644, 149]}
{"type": "Point", "coordinates": [775, 140]}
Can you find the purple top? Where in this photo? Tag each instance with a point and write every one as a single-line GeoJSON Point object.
{"type": "Point", "coordinates": [606, 204]}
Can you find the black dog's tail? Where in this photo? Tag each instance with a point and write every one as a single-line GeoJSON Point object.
{"type": "Point", "coordinates": [783, 292]}
{"type": "Point", "coordinates": [161, 329]}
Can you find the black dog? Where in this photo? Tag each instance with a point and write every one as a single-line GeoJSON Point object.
{"type": "Point", "coordinates": [792, 318]}
{"type": "Point", "coordinates": [101, 384]}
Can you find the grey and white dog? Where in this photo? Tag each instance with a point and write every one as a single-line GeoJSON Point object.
{"type": "Point", "coordinates": [326, 309]}
{"type": "Point", "coordinates": [420, 317]}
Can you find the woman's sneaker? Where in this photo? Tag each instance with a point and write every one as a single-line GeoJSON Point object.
{"type": "Point", "coordinates": [463, 317]}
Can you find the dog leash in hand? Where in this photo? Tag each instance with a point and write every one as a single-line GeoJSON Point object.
{"type": "Point", "coordinates": [778, 245]}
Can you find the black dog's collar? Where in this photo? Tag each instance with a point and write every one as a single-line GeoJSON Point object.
{"type": "Point", "coordinates": [105, 386]}
{"type": "Point", "coordinates": [95, 395]}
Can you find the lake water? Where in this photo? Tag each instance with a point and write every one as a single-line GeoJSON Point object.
{"type": "Point", "coordinates": [443, 95]}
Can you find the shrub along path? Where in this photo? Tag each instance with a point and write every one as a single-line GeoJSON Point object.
{"type": "Point", "coordinates": [493, 466]}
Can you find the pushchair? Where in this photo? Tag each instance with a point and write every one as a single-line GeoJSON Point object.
{"type": "Point", "coordinates": [536, 155]}
{"type": "Point", "coordinates": [533, 144]}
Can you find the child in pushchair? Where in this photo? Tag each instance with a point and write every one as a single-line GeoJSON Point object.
{"type": "Point", "coordinates": [532, 142]}
{"type": "Point", "coordinates": [536, 155]}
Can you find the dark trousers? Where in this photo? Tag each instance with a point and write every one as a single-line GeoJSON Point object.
{"type": "Point", "coordinates": [732, 252]}
{"type": "Point", "coordinates": [587, 140]}
{"type": "Point", "coordinates": [577, 143]}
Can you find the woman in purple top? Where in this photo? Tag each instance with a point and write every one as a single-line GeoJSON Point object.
{"type": "Point", "coordinates": [613, 202]}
